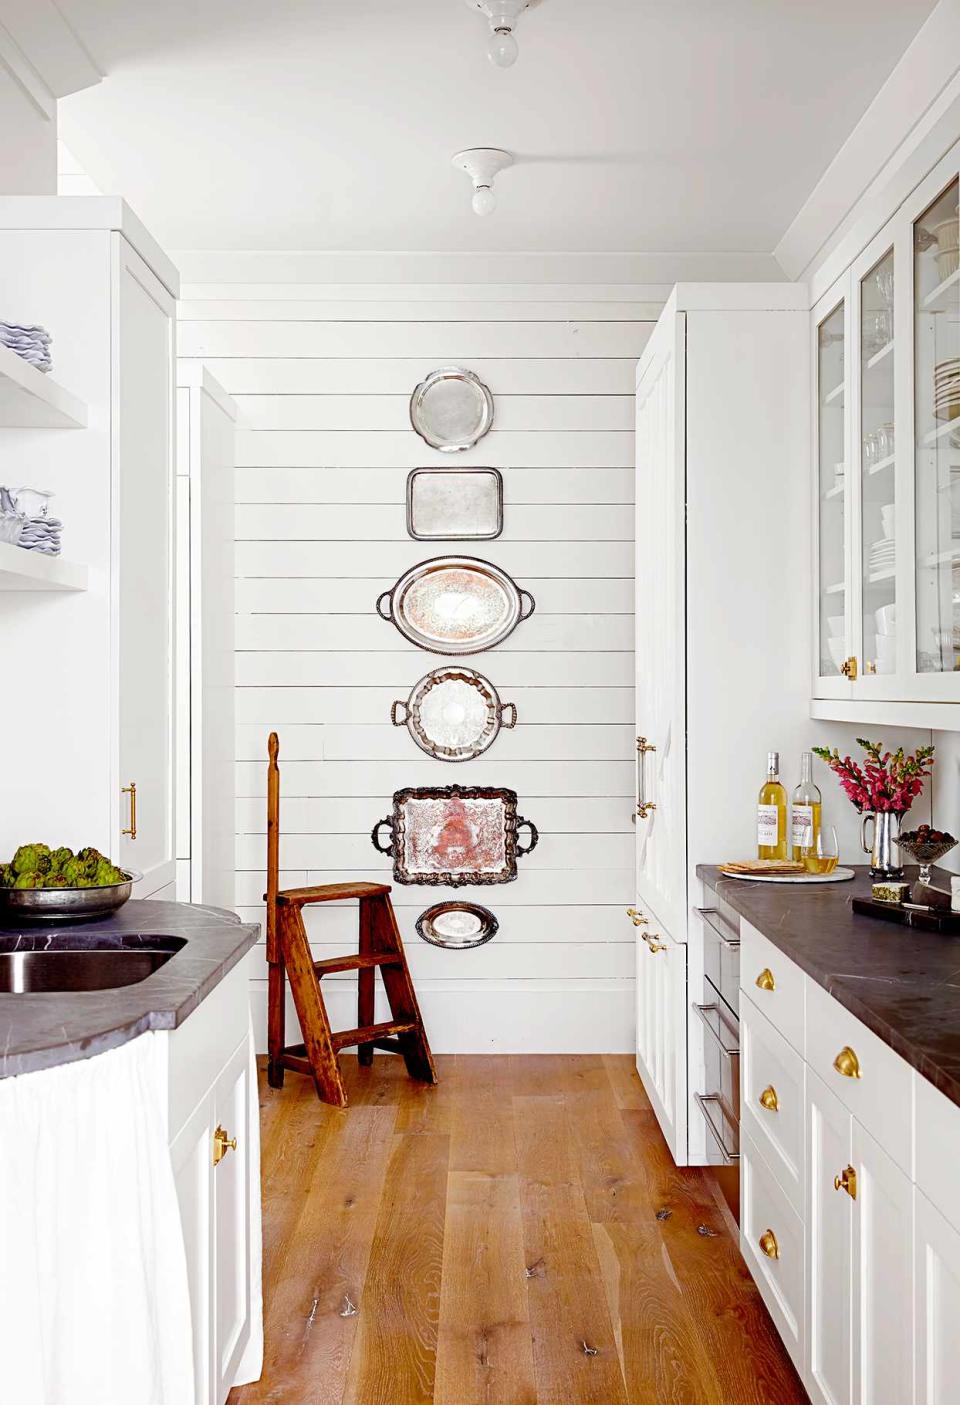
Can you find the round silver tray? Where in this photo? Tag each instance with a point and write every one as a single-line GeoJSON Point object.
{"type": "Point", "coordinates": [452, 409]}
{"type": "Point", "coordinates": [457, 926]}
{"type": "Point", "coordinates": [456, 605]}
{"type": "Point", "coordinates": [454, 713]}
{"type": "Point", "coordinates": [64, 904]}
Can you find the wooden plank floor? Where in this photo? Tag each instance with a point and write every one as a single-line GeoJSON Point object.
{"type": "Point", "coordinates": [517, 1235]}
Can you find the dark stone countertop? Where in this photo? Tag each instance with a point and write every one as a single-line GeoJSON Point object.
{"type": "Point", "coordinates": [41, 1030]}
{"type": "Point", "coordinates": [902, 983]}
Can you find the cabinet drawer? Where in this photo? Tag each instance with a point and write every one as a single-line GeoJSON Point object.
{"type": "Point", "coordinates": [773, 983]}
{"type": "Point", "coordinates": [772, 1099]}
{"type": "Point", "coordinates": [771, 1241]}
{"type": "Point", "coordinates": [871, 1081]}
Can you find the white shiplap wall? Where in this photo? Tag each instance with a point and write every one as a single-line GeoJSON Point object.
{"type": "Point", "coordinates": [322, 377]}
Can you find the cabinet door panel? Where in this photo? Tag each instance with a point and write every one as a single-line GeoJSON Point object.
{"type": "Point", "coordinates": [143, 480]}
{"type": "Point", "coordinates": [192, 1169]}
{"type": "Point", "coordinates": [882, 1277]}
{"type": "Point", "coordinates": [829, 1246]}
{"type": "Point", "coordinates": [662, 1033]}
{"type": "Point", "coordinates": [230, 1178]}
{"type": "Point", "coordinates": [937, 1265]}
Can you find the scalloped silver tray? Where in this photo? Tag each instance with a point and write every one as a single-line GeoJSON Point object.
{"type": "Point", "coordinates": [451, 409]}
{"type": "Point", "coordinates": [453, 713]}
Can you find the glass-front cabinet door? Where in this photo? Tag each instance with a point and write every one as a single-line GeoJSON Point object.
{"type": "Point", "coordinates": [831, 400]}
{"type": "Point", "coordinates": [875, 640]}
{"type": "Point", "coordinates": [936, 287]}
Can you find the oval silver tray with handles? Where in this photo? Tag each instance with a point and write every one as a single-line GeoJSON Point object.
{"type": "Point", "coordinates": [454, 835]}
{"type": "Point", "coordinates": [457, 926]}
{"type": "Point", "coordinates": [455, 605]}
{"type": "Point", "coordinates": [454, 713]}
{"type": "Point", "coordinates": [452, 409]}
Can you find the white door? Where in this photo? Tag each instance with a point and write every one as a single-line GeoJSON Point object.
{"type": "Point", "coordinates": [829, 1231]}
{"type": "Point", "coordinates": [143, 558]}
{"type": "Point", "coordinates": [191, 1154]}
{"type": "Point", "coordinates": [937, 1272]}
{"type": "Point", "coordinates": [662, 1032]}
{"type": "Point", "coordinates": [660, 626]}
{"type": "Point", "coordinates": [232, 1229]}
{"type": "Point", "coordinates": [882, 1277]}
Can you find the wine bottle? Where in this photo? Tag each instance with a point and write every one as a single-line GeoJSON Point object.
{"type": "Point", "coordinates": [805, 814]}
{"type": "Point", "coordinates": [772, 813]}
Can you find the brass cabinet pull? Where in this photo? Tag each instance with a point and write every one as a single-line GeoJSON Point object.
{"type": "Point", "coordinates": [847, 1063]}
{"type": "Point", "coordinates": [638, 920]}
{"type": "Point", "coordinates": [652, 944]}
{"type": "Point", "coordinates": [131, 790]}
{"type": "Point", "coordinates": [769, 1099]}
{"type": "Point", "coordinates": [765, 980]}
{"type": "Point", "coordinates": [849, 669]}
{"type": "Point", "coordinates": [644, 806]}
{"type": "Point", "coordinates": [768, 1244]}
{"type": "Point", "coordinates": [222, 1144]}
{"type": "Point", "coordinates": [847, 1180]}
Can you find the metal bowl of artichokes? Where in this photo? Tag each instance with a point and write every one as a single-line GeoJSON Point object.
{"type": "Point", "coordinates": [41, 884]}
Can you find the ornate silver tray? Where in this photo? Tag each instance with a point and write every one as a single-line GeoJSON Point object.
{"type": "Point", "coordinates": [452, 409]}
{"type": "Point", "coordinates": [457, 926]}
{"type": "Point", "coordinates": [453, 713]}
{"type": "Point", "coordinates": [455, 605]}
{"type": "Point", "coordinates": [454, 503]}
{"type": "Point", "coordinates": [454, 835]}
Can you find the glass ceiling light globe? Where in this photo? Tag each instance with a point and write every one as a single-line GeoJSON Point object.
{"type": "Point", "coordinates": [503, 49]}
{"type": "Point", "coordinates": [484, 200]}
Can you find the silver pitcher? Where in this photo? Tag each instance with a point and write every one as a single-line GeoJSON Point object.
{"type": "Point", "coordinates": [884, 850]}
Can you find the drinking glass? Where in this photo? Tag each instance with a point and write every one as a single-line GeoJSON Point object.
{"type": "Point", "coordinates": [823, 854]}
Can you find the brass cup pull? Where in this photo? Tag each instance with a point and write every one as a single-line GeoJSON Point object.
{"type": "Point", "coordinates": [769, 1099]}
{"type": "Point", "coordinates": [131, 790]}
{"type": "Point", "coordinates": [768, 1244]}
{"type": "Point", "coordinates": [847, 1180]}
{"type": "Point", "coordinates": [653, 945]}
{"type": "Point", "coordinates": [638, 919]}
{"type": "Point", "coordinates": [847, 1063]}
{"type": "Point", "coordinates": [222, 1144]}
{"type": "Point", "coordinates": [765, 980]}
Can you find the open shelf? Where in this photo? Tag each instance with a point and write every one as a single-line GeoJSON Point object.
{"type": "Point", "coordinates": [31, 400]}
{"type": "Point", "coordinates": [834, 395]}
{"type": "Point", "coordinates": [942, 430]}
{"type": "Point", "coordinates": [835, 492]}
{"type": "Point", "coordinates": [30, 570]}
{"type": "Point", "coordinates": [935, 301]}
{"type": "Point", "coordinates": [880, 356]}
{"type": "Point", "coordinates": [837, 589]}
{"type": "Point", "coordinates": [883, 463]}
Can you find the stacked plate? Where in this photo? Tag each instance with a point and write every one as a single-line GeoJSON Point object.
{"type": "Point", "coordinates": [32, 343]}
{"type": "Point", "coordinates": [883, 555]}
{"type": "Point", "coordinates": [946, 389]}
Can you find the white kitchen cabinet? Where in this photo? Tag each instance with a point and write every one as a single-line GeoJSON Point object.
{"type": "Point", "coordinates": [717, 404]}
{"type": "Point", "coordinates": [829, 1246]}
{"type": "Point", "coordinates": [937, 1304]}
{"type": "Point", "coordinates": [886, 343]}
{"type": "Point", "coordinates": [191, 1154]}
{"type": "Point", "coordinates": [882, 1276]}
{"type": "Point", "coordinates": [89, 272]}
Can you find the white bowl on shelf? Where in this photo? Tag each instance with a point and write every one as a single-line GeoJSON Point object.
{"type": "Point", "coordinates": [886, 618]}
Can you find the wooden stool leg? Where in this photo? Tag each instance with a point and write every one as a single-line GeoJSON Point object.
{"type": "Point", "coordinates": [276, 1022]}
{"type": "Point", "coordinates": [310, 1007]}
{"type": "Point", "coordinates": [366, 982]}
{"type": "Point", "coordinates": [401, 994]}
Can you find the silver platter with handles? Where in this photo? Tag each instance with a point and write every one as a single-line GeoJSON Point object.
{"type": "Point", "coordinates": [457, 926]}
{"type": "Point", "coordinates": [455, 605]}
{"type": "Point", "coordinates": [454, 713]}
{"type": "Point", "coordinates": [452, 409]}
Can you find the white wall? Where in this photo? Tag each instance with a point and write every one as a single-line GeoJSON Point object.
{"type": "Point", "coordinates": [28, 145]}
{"type": "Point", "coordinates": [322, 377]}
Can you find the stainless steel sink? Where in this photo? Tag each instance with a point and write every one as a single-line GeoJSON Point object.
{"type": "Point", "coordinates": [30, 965]}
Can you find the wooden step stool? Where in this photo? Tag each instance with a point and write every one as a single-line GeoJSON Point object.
{"type": "Point", "coordinates": [288, 954]}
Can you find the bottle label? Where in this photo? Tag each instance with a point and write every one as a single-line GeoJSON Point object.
{"type": "Point", "coordinates": [768, 824]}
{"type": "Point", "coordinates": [802, 826]}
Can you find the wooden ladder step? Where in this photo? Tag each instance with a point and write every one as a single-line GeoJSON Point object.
{"type": "Point", "coordinates": [368, 1034]}
{"type": "Point", "coordinates": [356, 963]}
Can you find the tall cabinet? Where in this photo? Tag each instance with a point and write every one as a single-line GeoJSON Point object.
{"type": "Point", "coordinates": [721, 513]}
{"type": "Point", "coordinates": [89, 754]}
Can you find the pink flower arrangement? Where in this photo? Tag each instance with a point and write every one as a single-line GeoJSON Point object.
{"type": "Point", "coordinates": [888, 780]}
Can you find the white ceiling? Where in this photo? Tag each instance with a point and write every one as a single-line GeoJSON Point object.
{"type": "Point", "coordinates": [657, 125]}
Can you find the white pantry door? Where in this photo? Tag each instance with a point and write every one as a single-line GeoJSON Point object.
{"type": "Point", "coordinates": [143, 494]}
{"type": "Point", "coordinates": [660, 627]}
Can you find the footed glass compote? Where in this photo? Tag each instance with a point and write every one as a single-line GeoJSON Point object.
{"type": "Point", "coordinates": [926, 846]}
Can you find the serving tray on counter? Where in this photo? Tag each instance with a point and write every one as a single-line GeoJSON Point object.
{"type": "Point", "coordinates": [934, 920]}
{"type": "Point", "coordinates": [839, 875]}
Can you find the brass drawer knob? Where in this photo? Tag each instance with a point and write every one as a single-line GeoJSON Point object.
{"type": "Point", "coordinates": [768, 1244]}
{"type": "Point", "coordinates": [765, 980]}
{"type": "Point", "coordinates": [849, 669]}
{"type": "Point", "coordinates": [222, 1144]}
{"type": "Point", "coordinates": [847, 1063]}
{"type": "Point", "coordinates": [847, 1180]}
{"type": "Point", "coordinates": [638, 919]}
{"type": "Point", "coordinates": [645, 808]}
{"type": "Point", "coordinates": [651, 940]}
{"type": "Point", "coordinates": [769, 1099]}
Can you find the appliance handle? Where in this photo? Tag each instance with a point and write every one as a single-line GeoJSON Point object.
{"type": "Point", "coordinates": [702, 1099]}
{"type": "Point", "coordinates": [709, 914]}
{"type": "Point", "coordinates": [703, 1011]}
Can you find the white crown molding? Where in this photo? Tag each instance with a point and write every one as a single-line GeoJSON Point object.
{"type": "Point", "coordinates": [911, 122]}
{"type": "Point", "coordinates": [43, 54]}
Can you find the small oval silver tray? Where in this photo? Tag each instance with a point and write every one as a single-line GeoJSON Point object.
{"type": "Point", "coordinates": [452, 409]}
{"type": "Point", "coordinates": [455, 605]}
{"type": "Point", "coordinates": [64, 904]}
{"type": "Point", "coordinates": [454, 713]}
{"type": "Point", "coordinates": [457, 926]}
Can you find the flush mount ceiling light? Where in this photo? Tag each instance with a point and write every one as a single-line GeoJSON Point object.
{"type": "Point", "coordinates": [482, 164]}
{"type": "Point", "coordinates": [502, 16]}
